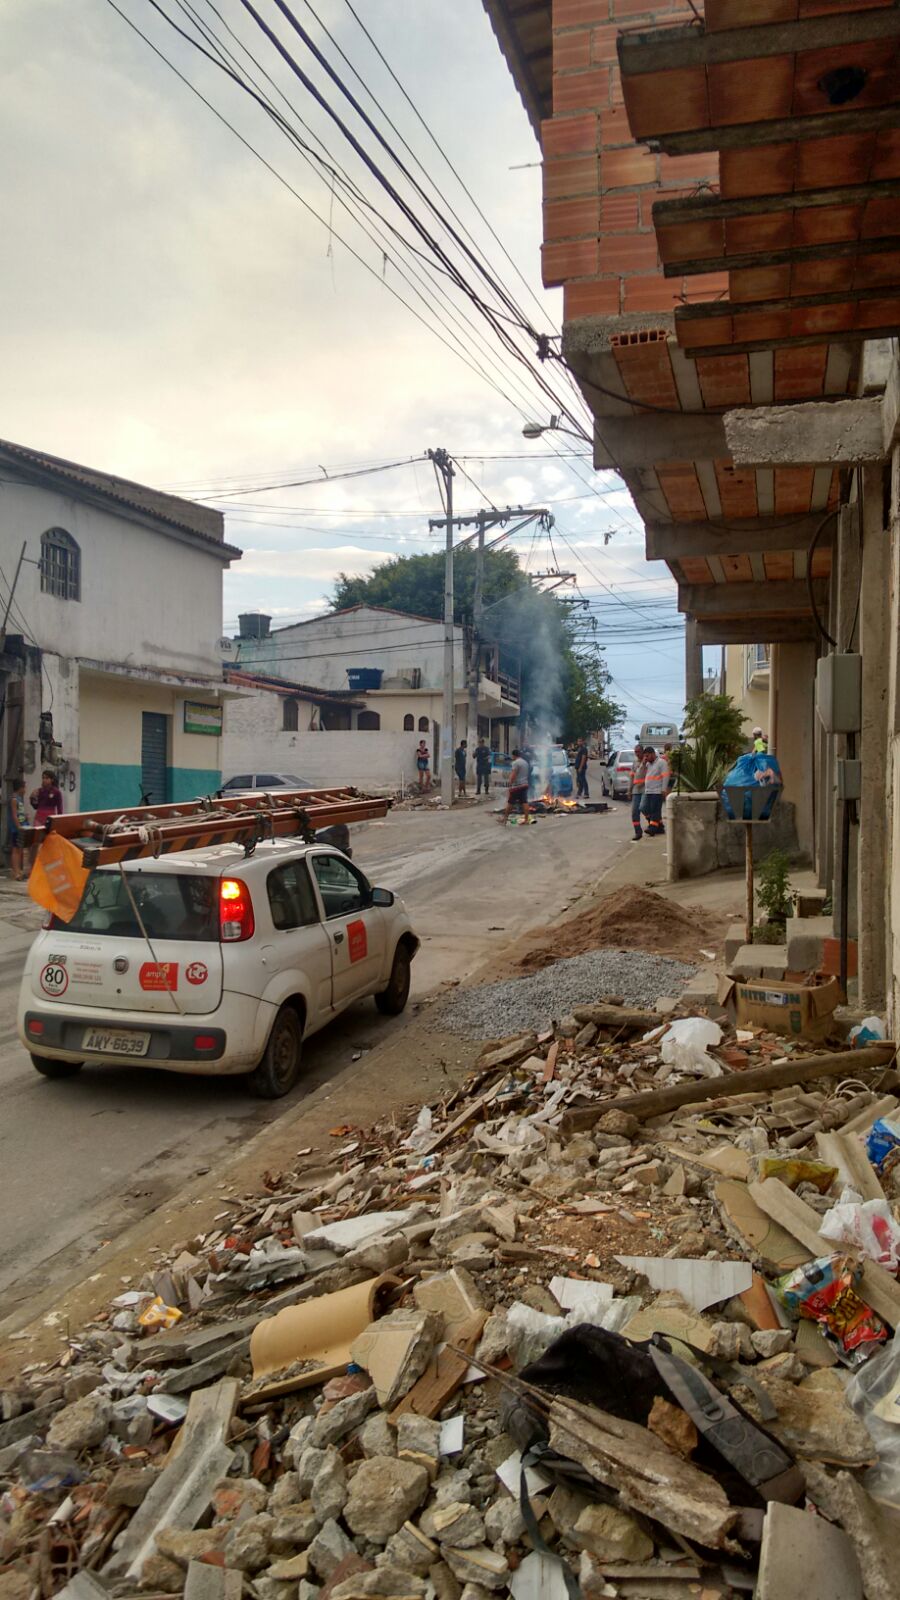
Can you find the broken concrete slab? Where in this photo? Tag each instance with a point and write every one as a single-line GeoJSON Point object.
{"type": "Point", "coordinates": [814, 1424]}
{"type": "Point", "coordinates": [871, 1525]}
{"type": "Point", "coordinates": [355, 1231]}
{"type": "Point", "coordinates": [453, 1295]}
{"type": "Point", "coordinates": [396, 1350]}
{"type": "Point", "coordinates": [183, 1491]}
{"type": "Point", "coordinates": [760, 961]}
{"type": "Point", "coordinates": [702, 1283]}
{"type": "Point", "coordinates": [801, 1554]}
{"type": "Point", "coordinates": [84, 1586]}
{"type": "Point", "coordinates": [384, 1493]}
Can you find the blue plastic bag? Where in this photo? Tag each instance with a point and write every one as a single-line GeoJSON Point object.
{"type": "Point", "coordinates": [883, 1138]}
{"type": "Point", "coordinates": [751, 788]}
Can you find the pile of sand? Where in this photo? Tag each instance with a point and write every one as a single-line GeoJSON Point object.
{"type": "Point", "coordinates": [629, 919]}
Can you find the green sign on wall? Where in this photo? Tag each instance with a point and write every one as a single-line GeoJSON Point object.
{"type": "Point", "coordinates": [199, 718]}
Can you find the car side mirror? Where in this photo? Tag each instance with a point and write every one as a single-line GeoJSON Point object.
{"type": "Point", "coordinates": [382, 897]}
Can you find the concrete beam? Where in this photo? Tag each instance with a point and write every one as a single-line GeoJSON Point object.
{"type": "Point", "coordinates": [847, 336]}
{"type": "Point", "coordinates": [693, 661]}
{"type": "Point", "coordinates": [668, 49]}
{"type": "Point", "coordinates": [641, 441]}
{"type": "Point", "coordinates": [856, 250]}
{"type": "Point", "coordinates": [815, 433]}
{"type": "Point", "coordinates": [670, 541]}
{"type": "Point", "coordinates": [788, 598]}
{"type": "Point", "coordinates": [776, 130]}
{"type": "Point", "coordinates": [754, 630]}
{"type": "Point", "coordinates": [712, 208]}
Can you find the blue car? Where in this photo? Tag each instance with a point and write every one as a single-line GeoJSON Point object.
{"type": "Point", "coordinates": [552, 772]}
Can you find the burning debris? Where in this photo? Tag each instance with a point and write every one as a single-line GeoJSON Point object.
{"type": "Point", "coordinates": [601, 1322]}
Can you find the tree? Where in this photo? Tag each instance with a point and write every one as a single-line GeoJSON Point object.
{"type": "Point", "coordinates": [563, 681]}
{"type": "Point", "coordinates": [718, 722]}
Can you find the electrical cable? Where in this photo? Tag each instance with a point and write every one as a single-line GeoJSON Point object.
{"type": "Point", "coordinates": [809, 580]}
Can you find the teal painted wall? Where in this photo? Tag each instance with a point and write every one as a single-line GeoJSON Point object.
{"type": "Point", "coordinates": [105, 785]}
{"type": "Point", "coordinates": [186, 783]}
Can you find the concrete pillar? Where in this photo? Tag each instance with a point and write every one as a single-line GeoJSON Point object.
{"type": "Point", "coordinates": [793, 687]}
{"type": "Point", "coordinates": [693, 660]}
{"type": "Point", "coordinates": [873, 744]}
{"type": "Point", "coordinates": [846, 581]}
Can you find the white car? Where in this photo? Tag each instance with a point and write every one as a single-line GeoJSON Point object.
{"type": "Point", "coordinates": [617, 775]}
{"type": "Point", "coordinates": [212, 961]}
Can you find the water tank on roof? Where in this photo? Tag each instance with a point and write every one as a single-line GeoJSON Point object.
{"type": "Point", "coordinates": [254, 625]}
{"type": "Point", "coordinates": [362, 678]}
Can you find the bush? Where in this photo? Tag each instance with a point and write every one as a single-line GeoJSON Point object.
{"type": "Point", "coordinates": [715, 720]}
{"type": "Point", "coordinates": [773, 896]}
{"type": "Point", "coordinates": [699, 766]}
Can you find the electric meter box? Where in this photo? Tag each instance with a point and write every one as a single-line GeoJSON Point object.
{"type": "Point", "coordinates": [839, 693]}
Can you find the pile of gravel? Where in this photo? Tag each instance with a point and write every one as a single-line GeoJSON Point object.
{"type": "Point", "coordinates": [494, 1010]}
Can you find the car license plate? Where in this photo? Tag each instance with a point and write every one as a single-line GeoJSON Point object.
{"type": "Point", "coordinates": [115, 1042]}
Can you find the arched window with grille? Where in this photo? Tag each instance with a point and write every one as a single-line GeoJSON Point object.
{"type": "Point", "coordinates": [368, 722]}
{"type": "Point", "coordinates": [290, 721]}
{"type": "Point", "coordinates": [423, 724]}
{"type": "Point", "coordinates": [409, 723]}
{"type": "Point", "coordinates": [60, 565]}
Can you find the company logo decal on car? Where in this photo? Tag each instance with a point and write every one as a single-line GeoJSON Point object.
{"type": "Point", "coordinates": [357, 940]}
{"type": "Point", "coordinates": [159, 975]}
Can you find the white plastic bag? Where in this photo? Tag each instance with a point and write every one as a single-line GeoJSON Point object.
{"type": "Point", "coordinates": [686, 1043]}
{"type": "Point", "coordinates": [868, 1226]}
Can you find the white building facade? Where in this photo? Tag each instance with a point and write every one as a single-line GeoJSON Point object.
{"type": "Point", "coordinates": [111, 658]}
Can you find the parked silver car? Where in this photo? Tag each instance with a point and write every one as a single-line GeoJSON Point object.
{"type": "Point", "coordinates": [616, 776]}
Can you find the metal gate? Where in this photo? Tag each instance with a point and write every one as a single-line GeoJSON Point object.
{"type": "Point", "coordinates": [155, 757]}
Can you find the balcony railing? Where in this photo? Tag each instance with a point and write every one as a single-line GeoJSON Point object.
{"type": "Point", "coordinates": [757, 664]}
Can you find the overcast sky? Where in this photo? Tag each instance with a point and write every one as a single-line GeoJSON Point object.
{"type": "Point", "coordinates": [175, 314]}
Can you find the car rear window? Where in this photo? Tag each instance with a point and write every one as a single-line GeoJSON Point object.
{"type": "Point", "coordinates": [171, 906]}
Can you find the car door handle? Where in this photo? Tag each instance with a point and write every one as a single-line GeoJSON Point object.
{"type": "Point", "coordinates": [338, 938]}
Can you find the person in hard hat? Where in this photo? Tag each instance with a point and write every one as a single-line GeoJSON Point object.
{"type": "Point", "coordinates": [760, 743]}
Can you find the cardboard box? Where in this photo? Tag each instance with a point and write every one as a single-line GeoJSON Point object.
{"type": "Point", "coordinates": [800, 1010]}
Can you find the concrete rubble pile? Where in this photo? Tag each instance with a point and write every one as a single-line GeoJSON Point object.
{"type": "Point", "coordinates": [525, 1341]}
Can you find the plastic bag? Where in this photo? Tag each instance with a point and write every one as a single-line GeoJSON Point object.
{"type": "Point", "coordinates": [883, 1144]}
{"type": "Point", "coordinates": [824, 1291]}
{"type": "Point", "coordinates": [423, 1132]}
{"type": "Point", "coordinates": [874, 1394]}
{"type": "Point", "coordinates": [869, 1031]}
{"type": "Point", "coordinates": [750, 774]}
{"type": "Point", "coordinates": [867, 1226]}
{"type": "Point", "coordinates": [686, 1043]}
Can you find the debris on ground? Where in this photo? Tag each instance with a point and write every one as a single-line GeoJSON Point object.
{"type": "Point", "coordinates": [631, 918]}
{"type": "Point", "coordinates": [551, 993]}
{"type": "Point", "coordinates": [609, 1319]}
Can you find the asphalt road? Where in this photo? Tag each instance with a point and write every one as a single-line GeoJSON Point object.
{"type": "Point", "coordinates": [83, 1157]}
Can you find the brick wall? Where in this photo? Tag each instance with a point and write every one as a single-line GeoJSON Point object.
{"type": "Point", "coordinates": [599, 185]}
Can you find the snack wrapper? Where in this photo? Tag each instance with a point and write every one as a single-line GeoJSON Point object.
{"type": "Point", "coordinates": [157, 1315]}
{"type": "Point", "coordinates": [824, 1291]}
{"type": "Point", "coordinates": [883, 1144]}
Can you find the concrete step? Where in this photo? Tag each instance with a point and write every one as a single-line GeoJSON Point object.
{"type": "Point", "coordinates": [805, 942]}
{"type": "Point", "coordinates": [760, 961]}
{"type": "Point", "coordinates": [735, 939]}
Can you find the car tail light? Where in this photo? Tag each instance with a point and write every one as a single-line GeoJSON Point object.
{"type": "Point", "coordinates": [204, 1041]}
{"type": "Point", "coordinates": [35, 1027]}
{"type": "Point", "coordinates": [235, 911]}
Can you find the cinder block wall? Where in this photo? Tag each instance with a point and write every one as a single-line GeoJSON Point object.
{"type": "Point", "coordinates": [599, 186]}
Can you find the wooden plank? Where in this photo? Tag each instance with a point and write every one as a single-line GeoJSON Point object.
{"type": "Point", "coordinates": [789, 597]}
{"type": "Point", "coordinates": [654, 1102]}
{"type": "Point", "coordinates": [876, 1286]}
{"type": "Point", "coordinates": [713, 208]}
{"type": "Point", "coordinates": [473, 1109]}
{"type": "Point", "coordinates": [855, 248]}
{"type": "Point", "coordinates": [672, 541]}
{"type": "Point", "coordinates": [668, 49]}
{"type": "Point", "coordinates": [844, 1151]}
{"type": "Point", "coordinates": [777, 130]}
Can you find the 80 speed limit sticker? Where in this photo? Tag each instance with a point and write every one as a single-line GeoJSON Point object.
{"type": "Point", "coordinates": [54, 979]}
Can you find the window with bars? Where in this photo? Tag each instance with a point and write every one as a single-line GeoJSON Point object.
{"type": "Point", "coordinates": [60, 565]}
{"type": "Point", "coordinates": [291, 716]}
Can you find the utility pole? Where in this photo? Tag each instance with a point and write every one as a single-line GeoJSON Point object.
{"type": "Point", "coordinates": [444, 465]}
{"type": "Point", "coordinates": [475, 647]}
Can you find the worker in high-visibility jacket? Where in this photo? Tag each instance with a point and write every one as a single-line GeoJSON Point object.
{"type": "Point", "coordinates": [656, 775]}
{"type": "Point", "coordinates": [637, 789]}
{"type": "Point", "coordinates": [760, 742]}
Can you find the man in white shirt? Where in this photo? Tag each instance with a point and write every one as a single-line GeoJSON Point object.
{"type": "Point", "coordinates": [519, 779]}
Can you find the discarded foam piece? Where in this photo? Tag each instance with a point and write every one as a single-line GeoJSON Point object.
{"type": "Point", "coordinates": [182, 1494]}
{"type": "Point", "coordinates": [355, 1231]}
{"type": "Point", "coordinates": [702, 1283]}
{"type": "Point", "coordinates": [317, 1333]}
{"type": "Point", "coordinates": [572, 1293]}
{"type": "Point", "coordinates": [801, 1554]}
{"type": "Point", "coordinates": [396, 1350]}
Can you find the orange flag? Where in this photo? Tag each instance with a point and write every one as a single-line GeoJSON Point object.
{"type": "Point", "coordinates": [58, 877]}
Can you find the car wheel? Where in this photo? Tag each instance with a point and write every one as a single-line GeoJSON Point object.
{"type": "Point", "coordinates": [392, 1000]}
{"type": "Point", "coordinates": [280, 1066]}
{"type": "Point", "coordinates": [48, 1068]}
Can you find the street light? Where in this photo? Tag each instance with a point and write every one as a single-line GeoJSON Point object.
{"type": "Point", "coordinates": [536, 430]}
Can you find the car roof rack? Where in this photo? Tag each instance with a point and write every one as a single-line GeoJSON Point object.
{"type": "Point", "coordinates": [107, 837]}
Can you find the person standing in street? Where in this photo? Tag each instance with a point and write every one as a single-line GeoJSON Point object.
{"type": "Point", "coordinates": [581, 767]}
{"type": "Point", "coordinates": [637, 790]}
{"type": "Point", "coordinates": [519, 779]}
{"type": "Point", "coordinates": [423, 765]}
{"type": "Point", "coordinates": [655, 779]}
{"type": "Point", "coordinates": [459, 762]}
{"type": "Point", "coordinates": [47, 801]}
{"type": "Point", "coordinates": [17, 819]}
{"type": "Point", "coordinates": [482, 768]}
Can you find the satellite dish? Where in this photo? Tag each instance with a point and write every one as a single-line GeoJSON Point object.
{"type": "Point", "coordinates": [226, 647]}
